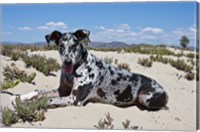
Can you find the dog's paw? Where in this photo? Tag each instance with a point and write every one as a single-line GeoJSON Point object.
{"type": "Point", "coordinates": [29, 96]}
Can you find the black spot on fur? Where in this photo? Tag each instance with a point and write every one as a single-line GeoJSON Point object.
{"type": "Point", "coordinates": [118, 79]}
{"type": "Point", "coordinates": [101, 78]}
{"type": "Point", "coordinates": [82, 92]}
{"type": "Point", "coordinates": [116, 92]}
{"type": "Point", "coordinates": [111, 71]}
{"type": "Point", "coordinates": [99, 64]}
{"type": "Point", "coordinates": [89, 69]}
{"type": "Point", "coordinates": [99, 73]}
{"type": "Point", "coordinates": [158, 101]}
{"type": "Point", "coordinates": [126, 95]}
{"type": "Point", "coordinates": [91, 75]}
{"type": "Point", "coordinates": [121, 76]}
{"type": "Point", "coordinates": [113, 82]}
{"type": "Point", "coordinates": [134, 78]}
{"type": "Point", "coordinates": [101, 93]}
{"type": "Point", "coordinates": [146, 87]}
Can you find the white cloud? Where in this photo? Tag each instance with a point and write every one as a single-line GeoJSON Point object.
{"type": "Point", "coordinates": [122, 26]}
{"type": "Point", "coordinates": [193, 29]}
{"type": "Point", "coordinates": [53, 26]}
{"type": "Point", "coordinates": [152, 30]}
{"type": "Point", "coordinates": [154, 35]}
{"type": "Point", "coordinates": [25, 28]}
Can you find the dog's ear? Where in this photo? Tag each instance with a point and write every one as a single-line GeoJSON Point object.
{"type": "Point", "coordinates": [82, 35]}
{"type": "Point", "coordinates": [55, 36]}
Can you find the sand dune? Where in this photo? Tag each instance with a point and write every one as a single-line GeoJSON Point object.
{"type": "Point", "coordinates": [182, 98]}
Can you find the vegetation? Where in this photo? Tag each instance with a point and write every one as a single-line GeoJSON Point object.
{"type": "Point", "coordinates": [13, 73]}
{"type": "Point", "coordinates": [41, 63]}
{"type": "Point", "coordinates": [184, 41]}
{"type": "Point", "coordinates": [108, 60]}
{"type": "Point", "coordinates": [106, 123]}
{"type": "Point", "coordinates": [190, 76]}
{"type": "Point", "coordinates": [31, 111]}
{"type": "Point", "coordinates": [9, 84]}
{"type": "Point", "coordinates": [13, 76]}
{"type": "Point", "coordinates": [124, 66]}
{"type": "Point", "coordinates": [180, 65]}
{"type": "Point", "coordinates": [145, 62]}
{"type": "Point", "coordinates": [9, 117]}
{"type": "Point", "coordinates": [25, 111]}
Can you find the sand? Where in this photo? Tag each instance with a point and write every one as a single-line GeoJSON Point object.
{"type": "Point", "coordinates": [181, 114]}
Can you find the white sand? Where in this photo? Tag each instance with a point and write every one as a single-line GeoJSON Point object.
{"type": "Point", "coordinates": [182, 98]}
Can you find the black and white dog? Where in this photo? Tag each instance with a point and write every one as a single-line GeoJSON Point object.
{"type": "Point", "coordinates": [85, 78]}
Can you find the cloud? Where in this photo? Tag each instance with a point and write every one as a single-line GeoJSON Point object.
{"type": "Point", "coordinates": [153, 35]}
{"type": "Point", "coordinates": [53, 26]}
{"type": "Point", "coordinates": [123, 32]}
{"type": "Point", "coordinates": [152, 30]}
{"type": "Point", "coordinates": [25, 28]}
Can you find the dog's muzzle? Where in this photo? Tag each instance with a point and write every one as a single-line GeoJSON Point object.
{"type": "Point", "coordinates": [68, 67]}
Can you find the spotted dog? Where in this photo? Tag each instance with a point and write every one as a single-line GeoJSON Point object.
{"type": "Point", "coordinates": [86, 78]}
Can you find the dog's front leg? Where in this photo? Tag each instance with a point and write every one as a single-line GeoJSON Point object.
{"type": "Point", "coordinates": [37, 94]}
{"type": "Point", "coordinates": [61, 101]}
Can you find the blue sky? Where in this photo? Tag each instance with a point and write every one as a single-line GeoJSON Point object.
{"type": "Point", "coordinates": [128, 22]}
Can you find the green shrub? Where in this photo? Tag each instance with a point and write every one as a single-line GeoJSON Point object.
{"type": "Point", "coordinates": [13, 73]}
{"type": "Point", "coordinates": [41, 63]}
{"type": "Point", "coordinates": [124, 66]}
{"type": "Point", "coordinates": [15, 56]}
{"type": "Point", "coordinates": [180, 65]}
{"type": "Point", "coordinates": [9, 117]}
{"type": "Point", "coordinates": [159, 58]}
{"type": "Point", "coordinates": [9, 84]}
{"type": "Point", "coordinates": [31, 111]}
{"type": "Point", "coordinates": [190, 76]}
{"type": "Point", "coordinates": [7, 50]}
{"type": "Point", "coordinates": [190, 55]}
{"type": "Point", "coordinates": [108, 60]}
{"type": "Point", "coordinates": [145, 62]}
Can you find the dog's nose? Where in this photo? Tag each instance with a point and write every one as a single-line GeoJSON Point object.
{"type": "Point", "coordinates": [67, 62]}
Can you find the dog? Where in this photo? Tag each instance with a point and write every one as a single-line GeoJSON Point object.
{"type": "Point", "coordinates": [86, 78]}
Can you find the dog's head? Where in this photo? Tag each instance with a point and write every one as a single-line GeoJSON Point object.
{"type": "Point", "coordinates": [71, 47]}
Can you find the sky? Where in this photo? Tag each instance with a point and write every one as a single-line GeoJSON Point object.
{"type": "Point", "coordinates": [145, 22]}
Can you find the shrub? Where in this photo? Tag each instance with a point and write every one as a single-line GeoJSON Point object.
{"type": "Point", "coordinates": [31, 111]}
{"type": "Point", "coordinates": [190, 76]}
{"type": "Point", "coordinates": [13, 73]}
{"type": "Point", "coordinates": [159, 58]}
{"type": "Point", "coordinates": [41, 63]}
{"type": "Point", "coordinates": [9, 117]}
{"type": "Point", "coordinates": [190, 55]}
{"type": "Point", "coordinates": [9, 84]}
{"type": "Point", "coordinates": [145, 62]}
{"type": "Point", "coordinates": [6, 50]}
{"type": "Point", "coordinates": [105, 123]}
{"type": "Point", "coordinates": [124, 66]}
{"type": "Point", "coordinates": [180, 65]}
{"type": "Point", "coordinates": [15, 56]}
{"type": "Point", "coordinates": [126, 124]}
{"type": "Point", "coordinates": [108, 60]}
